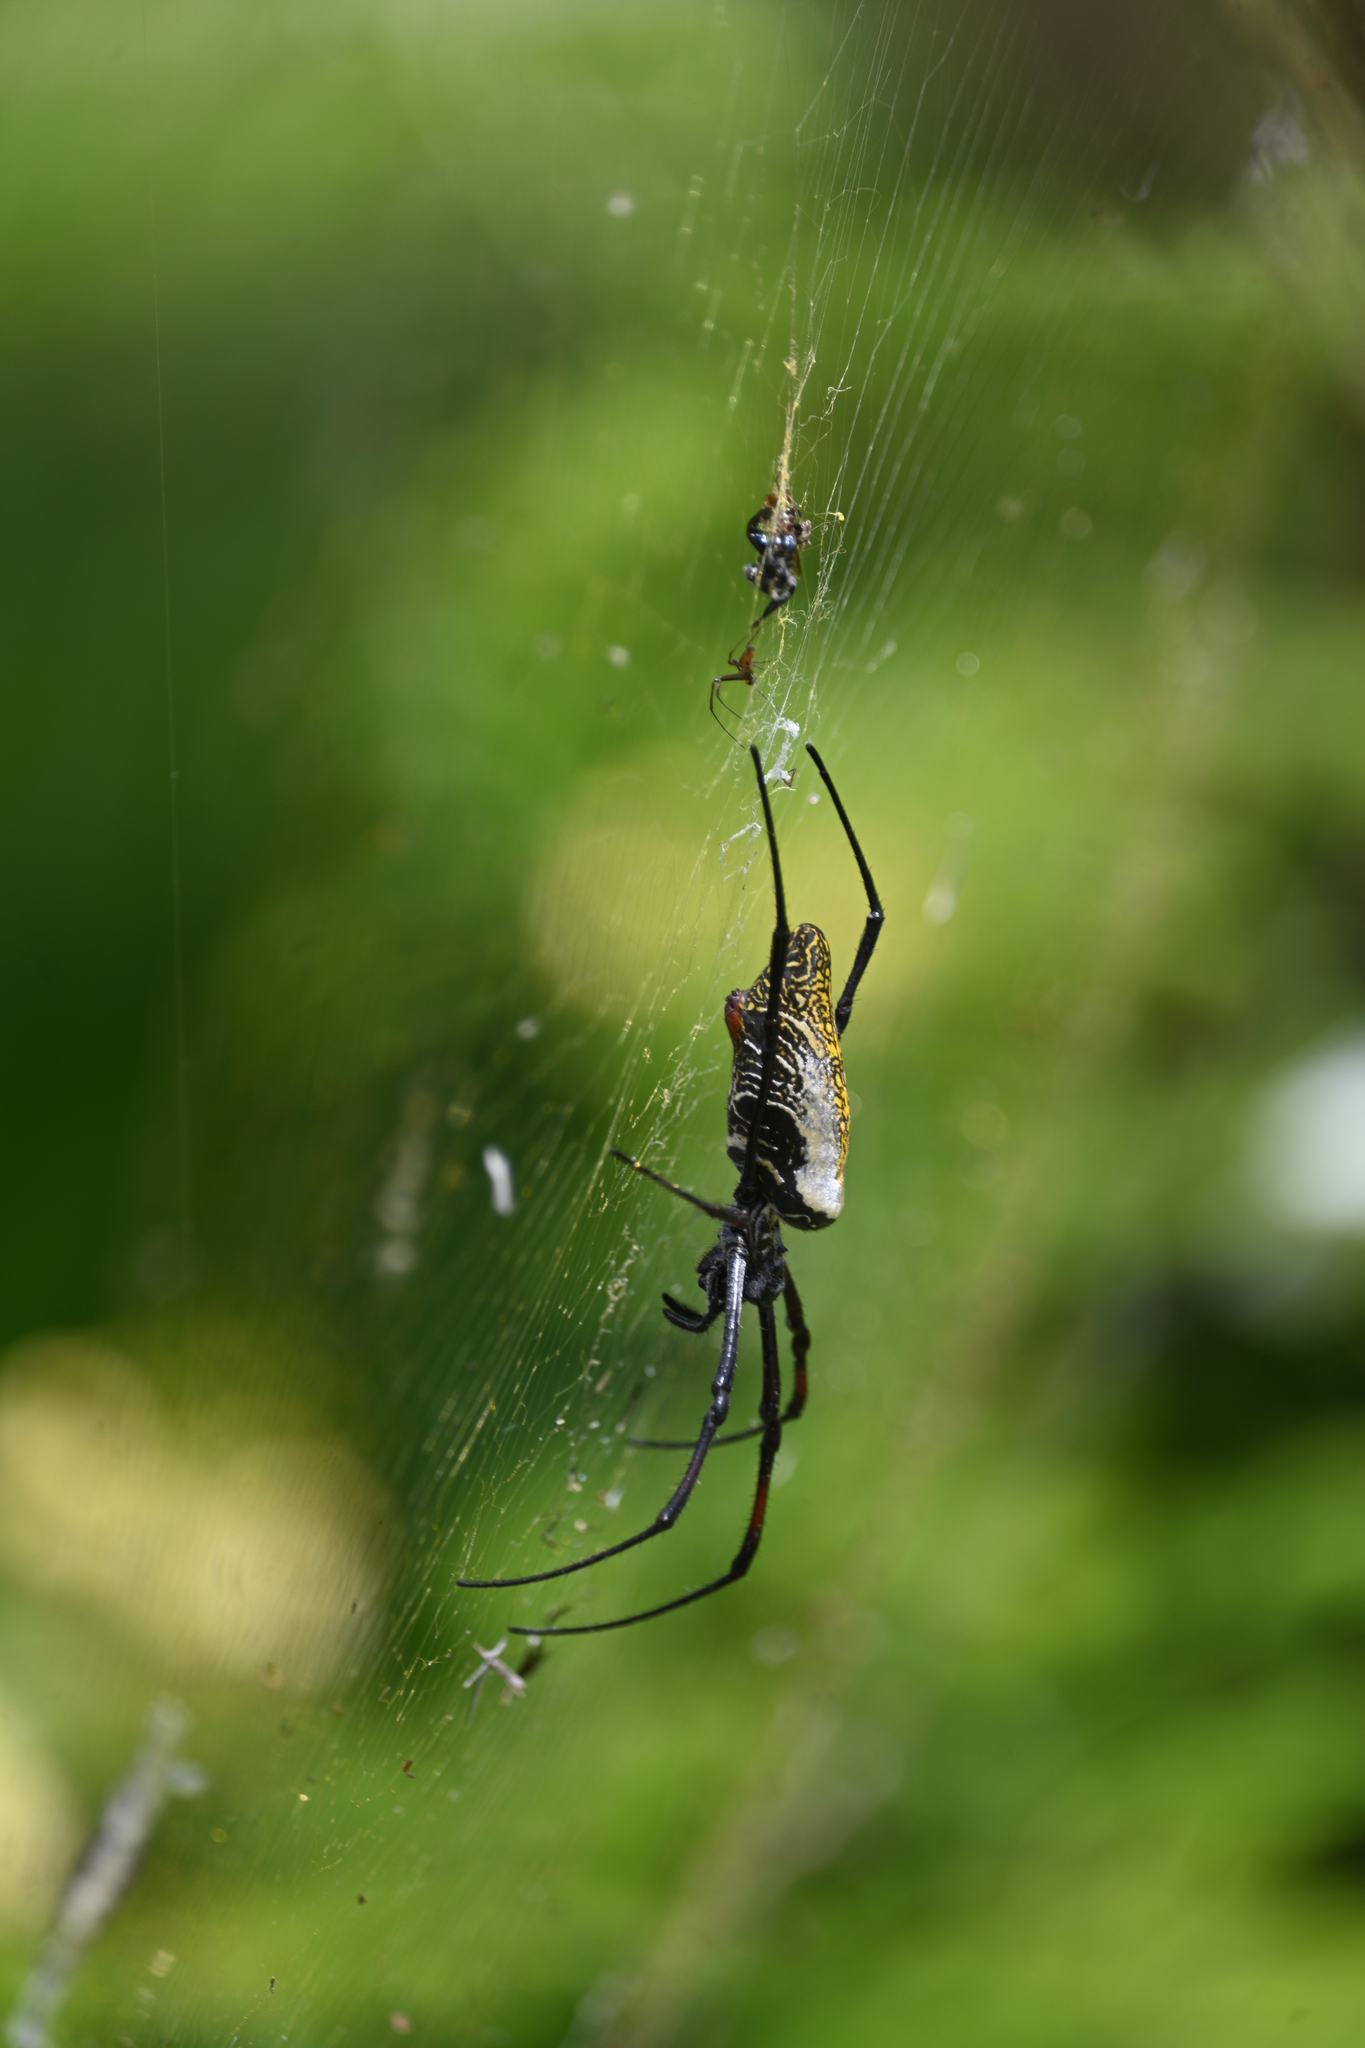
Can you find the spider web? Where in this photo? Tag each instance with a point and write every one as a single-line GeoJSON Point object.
{"type": "Point", "coordinates": [838, 277]}
{"type": "Point", "coordinates": [858, 358]}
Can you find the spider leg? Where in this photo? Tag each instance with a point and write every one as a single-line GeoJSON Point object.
{"type": "Point", "coordinates": [800, 1336]}
{"type": "Point", "coordinates": [876, 916]}
{"type": "Point", "coordinates": [747, 1192]}
{"type": "Point", "coordinates": [795, 1408]}
{"type": "Point", "coordinates": [682, 1492]}
{"type": "Point", "coordinates": [753, 1535]}
{"type": "Point", "coordinates": [719, 1211]}
{"type": "Point", "coordinates": [716, 698]}
{"type": "Point", "coordinates": [684, 1443]}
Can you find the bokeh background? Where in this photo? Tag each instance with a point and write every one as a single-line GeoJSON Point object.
{"type": "Point", "coordinates": [386, 389]}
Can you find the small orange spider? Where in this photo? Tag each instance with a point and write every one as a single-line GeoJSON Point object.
{"type": "Point", "coordinates": [741, 670]}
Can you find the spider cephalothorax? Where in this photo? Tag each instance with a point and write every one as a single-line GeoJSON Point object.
{"type": "Point", "coordinates": [788, 1134]}
{"type": "Point", "coordinates": [765, 1271]}
{"type": "Point", "coordinates": [779, 533]}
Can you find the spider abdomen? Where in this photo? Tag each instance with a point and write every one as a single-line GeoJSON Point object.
{"type": "Point", "coordinates": [804, 1140]}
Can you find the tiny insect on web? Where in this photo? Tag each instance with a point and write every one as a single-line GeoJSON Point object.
{"type": "Point", "coordinates": [788, 1132]}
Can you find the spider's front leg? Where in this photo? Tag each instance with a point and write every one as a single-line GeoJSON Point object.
{"type": "Point", "coordinates": [876, 916]}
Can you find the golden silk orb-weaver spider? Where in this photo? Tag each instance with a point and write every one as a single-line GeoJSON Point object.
{"type": "Point", "coordinates": [788, 1134]}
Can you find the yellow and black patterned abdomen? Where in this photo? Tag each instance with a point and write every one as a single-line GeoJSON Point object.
{"type": "Point", "coordinates": [804, 1142]}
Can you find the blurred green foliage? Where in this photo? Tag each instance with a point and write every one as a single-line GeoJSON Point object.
{"type": "Point", "coordinates": [1042, 1716]}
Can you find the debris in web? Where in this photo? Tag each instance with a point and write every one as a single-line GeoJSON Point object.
{"type": "Point", "coordinates": [1277, 139]}
{"type": "Point", "coordinates": [501, 1188]}
{"type": "Point", "coordinates": [749, 832]}
{"type": "Point", "coordinates": [398, 1205]}
{"type": "Point", "coordinates": [107, 1869]}
{"type": "Point", "coordinates": [492, 1660]}
{"type": "Point", "coordinates": [788, 730]}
